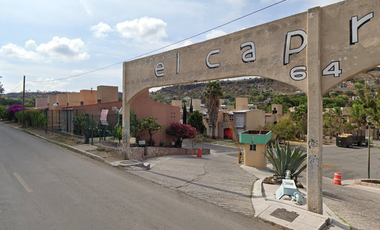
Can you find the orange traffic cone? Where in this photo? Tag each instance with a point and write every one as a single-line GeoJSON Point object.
{"type": "Point", "coordinates": [337, 178]}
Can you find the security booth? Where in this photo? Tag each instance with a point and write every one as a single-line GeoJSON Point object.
{"type": "Point", "coordinates": [255, 147]}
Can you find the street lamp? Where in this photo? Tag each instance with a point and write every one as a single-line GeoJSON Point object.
{"type": "Point", "coordinates": [368, 119]}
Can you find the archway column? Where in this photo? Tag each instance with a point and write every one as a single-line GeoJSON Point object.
{"type": "Point", "coordinates": [315, 135]}
{"type": "Point", "coordinates": [126, 117]}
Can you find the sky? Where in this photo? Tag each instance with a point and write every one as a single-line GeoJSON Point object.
{"type": "Point", "coordinates": [79, 44]}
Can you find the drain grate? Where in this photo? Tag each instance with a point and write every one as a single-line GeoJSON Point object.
{"type": "Point", "coordinates": [283, 214]}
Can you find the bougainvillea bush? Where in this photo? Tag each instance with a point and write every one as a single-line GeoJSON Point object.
{"type": "Point", "coordinates": [12, 110]}
{"type": "Point", "coordinates": [181, 131]}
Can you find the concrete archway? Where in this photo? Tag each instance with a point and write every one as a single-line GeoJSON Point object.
{"type": "Point", "coordinates": [313, 51]}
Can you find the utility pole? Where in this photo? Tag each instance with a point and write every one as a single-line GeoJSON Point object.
{"type": "Point", "coordinates": [23, 102]}
{"type": "Point", "coordinates": [368, 119]}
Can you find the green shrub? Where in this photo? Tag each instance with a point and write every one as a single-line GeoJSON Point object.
{"type": "Point", "coordinates": [2, 112]}
{"type": "Point", "coordinates": [118, 133]}
{"type": "Point", "coordinates": [80, 124]}
{"type": "Point", "coordinates": [32, 118]}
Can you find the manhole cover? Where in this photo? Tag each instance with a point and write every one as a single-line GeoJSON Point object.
{"type": "Point", "coordinates": [283, 214]}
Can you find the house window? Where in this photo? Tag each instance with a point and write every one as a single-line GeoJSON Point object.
{"type": "Point", "coordinates": [240, 120]}
{"type": "Point", "coordinates": [252, 148]}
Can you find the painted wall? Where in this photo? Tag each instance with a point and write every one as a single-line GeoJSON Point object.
{"type": "Point", "coordinates": [73, 99]}
{"type": "Point", "coordinates": [62, 99]}
{"type": "Point", "coordinates": [52, 99]}
{"type": "Point", "coordinates": [278, 108]}
{"type": "Point", "coordinates": [88, 97]}
{"type": "Point", "coordinates": [255, 118]}
{"type": "Point", "coordinates": [256, 158]}
{"type": "Point", "coordinates": [166, 114]}
{"type": "Point", "coordinates": [41, 102]}
{"type": "Point", "coordinates": [107, 94]}
{"type": "Point", "coordinates": [197, 104]}
{"type": "Point", "coordinates": [97, 108]}
{"type": "Point", "coordinates": [208, 128]}
{"type": "Point", "coordinates": [177, 103]}
{"type": "Point", "coordinates": [241, 103]}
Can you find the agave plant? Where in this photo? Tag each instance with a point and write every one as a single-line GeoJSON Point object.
{"type": "Point", "coordinates": [283, 158]}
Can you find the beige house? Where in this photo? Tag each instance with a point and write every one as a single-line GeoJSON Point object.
{"type": "Point", "coordinates": [41, 103]}
{"type": "Point", "coordinates": [177, 103]}
{"type": "Point", "coordinates": [107, 94]}
{"type": "Point", "coordinates": [88, 97]}
{"type": "Point", "coordinates": [275, 115]}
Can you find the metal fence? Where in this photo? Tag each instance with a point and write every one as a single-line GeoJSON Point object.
{"type": "Point", "coordinates": [88, 125]}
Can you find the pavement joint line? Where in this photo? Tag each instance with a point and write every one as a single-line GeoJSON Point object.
{"type": "Point", "coordinates": [22, 182]}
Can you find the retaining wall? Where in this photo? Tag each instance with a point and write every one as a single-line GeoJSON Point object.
{"type": "Point", "coordinates": [141, 153]}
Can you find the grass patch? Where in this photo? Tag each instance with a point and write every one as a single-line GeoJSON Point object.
{"type": "Point", "coordinates": [101, 148]}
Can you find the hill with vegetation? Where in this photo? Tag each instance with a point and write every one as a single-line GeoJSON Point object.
{"type": "Point", "coordinates": [255, 89]}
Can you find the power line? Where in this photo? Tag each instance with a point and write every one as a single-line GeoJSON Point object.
{"type": "Point", "coordinates": [163, 47]}
{"type": "Point", "coordinates": [16, 86]}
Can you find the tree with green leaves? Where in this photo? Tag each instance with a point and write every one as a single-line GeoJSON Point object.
{"type": "Point", "coordinates": [371, 103]}
{"type": "Point", "coordinates": [150, 124]}
{"type": "Point", "coordinates": [358, 114]}
{"type": "Point", "coordinates": [300, 116]}
{"type": "Point", "coordinates": [212, 93]}
{"type": "Point", "coordinates": [1, 88]}
{"type": "Point", "coordinates": [184, 113]}
{"type": "Point", "coordinates": [2, 112]}
{"type": "Point", "coordinates": [196, 120]}
{"type": "Point", "coordinates": [284, 129]}
{"type": "Point", "coordinates": [191, 110]}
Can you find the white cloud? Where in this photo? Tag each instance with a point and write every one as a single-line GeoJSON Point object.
{"type": "Point", "coordinates": [30, 44]}
{"type": "Point", "coordinates": [239, 3]}
{"type": "Point", "coordinates": [101, 30]}
{"type": "Point", "coordinates": [215, 33]}
{"type": "Point", "coordinates": [17, 52]}
{"type": "Point", "coordinates": [143, 29]}
{"type": "Point", "coordinates": [87, 7]}
{"type": "Point", "coordinates": [64, 49]}
{"type": "Point", "coordinates": [175, 46]}
{"type": "Point", "coordinates": [46, 84]}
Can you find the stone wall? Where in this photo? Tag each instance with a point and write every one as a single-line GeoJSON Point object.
{"type": "Point", "coordinates": [141, 153]}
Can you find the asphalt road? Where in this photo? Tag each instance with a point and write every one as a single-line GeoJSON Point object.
{"type": "Point", "coordinates": [352, 163]}
{"type": "Point", "coordinates": [44, 187]}
{"type": "Point", "coordinates": [359, 206]}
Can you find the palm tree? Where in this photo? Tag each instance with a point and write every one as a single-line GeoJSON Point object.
{"type": "Point", "coordinates": [212, 93]}
{"type": "Point", "coordinates": [358, 115]}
